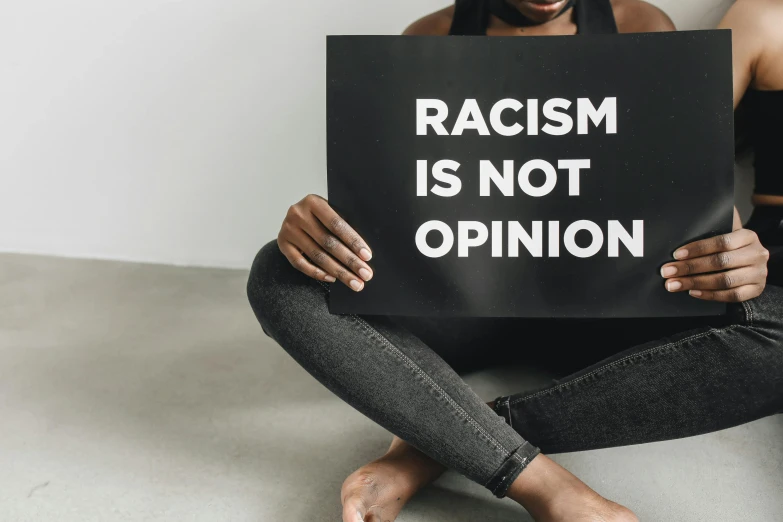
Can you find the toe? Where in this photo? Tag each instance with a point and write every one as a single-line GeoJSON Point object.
{"type": "Point", "coordinates": [376, 492]}
{"type": "Point", "coordinates": [354, 509]}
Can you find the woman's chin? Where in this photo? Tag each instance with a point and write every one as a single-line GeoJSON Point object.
{"type": "Point", "coordinates": [540, 11]}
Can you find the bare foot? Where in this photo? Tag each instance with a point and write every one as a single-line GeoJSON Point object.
{"type": "Point", "coordinates": [377, 491]}
{"type": "Point", "coordinates": [550, 493]}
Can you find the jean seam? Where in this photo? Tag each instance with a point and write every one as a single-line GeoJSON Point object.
{"type": "Point", "coordinates": [748, 312]}
{"type": "Point", "coordinates": [620, 361]}
{"type": "Point", "coordinates": [416, 368]}
{"type": "Point", "coordinates": [410, 363]}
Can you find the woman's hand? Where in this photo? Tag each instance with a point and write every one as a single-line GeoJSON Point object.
{"type": "Point", "coordinates": [320, 244]}
{"type": "Point", "coordinates": [730, 268]}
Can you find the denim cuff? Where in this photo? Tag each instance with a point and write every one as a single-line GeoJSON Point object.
{"type": "Point", "coordinates": [503, 409]}
{"type": "Point", "coordinates": [508, 472]}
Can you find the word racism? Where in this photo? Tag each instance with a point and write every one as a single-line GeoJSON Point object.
{"type": "Point", "coordinates": [430, 117]}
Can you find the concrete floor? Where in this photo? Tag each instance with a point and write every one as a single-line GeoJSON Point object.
{"type": "Point", "coordinates": [140, 392]}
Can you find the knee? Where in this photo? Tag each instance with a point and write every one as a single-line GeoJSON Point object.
{"type": "Point", "coordinates": [266, 282]}
{"type": "Point", "coordinates": [284, 300]}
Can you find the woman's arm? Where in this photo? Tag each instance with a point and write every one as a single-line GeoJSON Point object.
{"type": "Point", "coordinates": [731, 267]}
{"type": "Point", "coordinates": [748, 41]}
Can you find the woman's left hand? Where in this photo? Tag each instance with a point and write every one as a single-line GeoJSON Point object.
{"type": "Point", "coordinates": [730, 268]}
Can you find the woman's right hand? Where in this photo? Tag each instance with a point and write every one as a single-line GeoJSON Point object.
{"type": "Point", "coordinates": [320, 244]}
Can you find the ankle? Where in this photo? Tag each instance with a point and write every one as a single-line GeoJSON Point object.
{"type": "Point", "coordinates": [407, 456]}
{"type": "Point", "coordinates": [418, 468]}
{"type": "Point", "coordinates": [545, 488]}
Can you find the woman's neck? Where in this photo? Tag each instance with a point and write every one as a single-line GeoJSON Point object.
{"type": "Point", "coordinates": [563, 25]}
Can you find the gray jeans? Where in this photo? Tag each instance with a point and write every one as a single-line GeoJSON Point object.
{"type": "Point", "coordinates": [680, 377]}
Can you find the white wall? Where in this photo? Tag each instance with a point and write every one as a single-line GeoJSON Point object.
{"type": "Point", "coordinates": [175, 131]}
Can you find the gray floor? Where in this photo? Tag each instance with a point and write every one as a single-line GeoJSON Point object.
{"type": "Point", "coordinates": [138, 392]}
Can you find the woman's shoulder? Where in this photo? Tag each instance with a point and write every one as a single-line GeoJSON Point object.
{"type": "Point", "coordinates": [638, 16]}
{"type": "Point", "coordinates": [434, 24]}
{"type": "Point", "coordinates": [763, 17]}
{"type": "Point", "coordinates": [757, 42]}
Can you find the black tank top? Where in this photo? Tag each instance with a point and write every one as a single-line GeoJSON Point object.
{"type": "Point", "coordinates": [471, 17]}
{"type": "Point", "coordinates": [765, 130]}
{"type": "Point", "coordinates": [761, 120]}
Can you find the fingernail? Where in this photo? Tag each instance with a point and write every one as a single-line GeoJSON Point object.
{"type": "Point", "coordinates": [672, 286]}
{"type": "Point", "coordinates": [356, 285]}
{"type": "Point", "coordinates": [365, 254]}
{"type": "Point", "coordinates": [329, 279]}
{"type": "Point", "coordinates": [668, 271]}
{"type": "Point", "coordinates": [365, 274]}
{"type": "Point", "coordinates": [695, 293]}
{"type": "Point", "coordinates": [681, 254]}
{"type": "Point", "coordinates": [359, 517]}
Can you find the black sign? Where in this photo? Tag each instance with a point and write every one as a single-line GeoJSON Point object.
{"type": "Point", "coordinates": [530, 177]}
